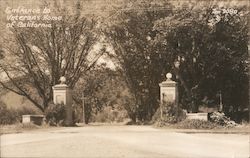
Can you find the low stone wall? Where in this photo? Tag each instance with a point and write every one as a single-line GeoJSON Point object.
{"type": "Point", "coordinates": [197, 116]}
{"type": "Point", "coordinates": [36, 119]}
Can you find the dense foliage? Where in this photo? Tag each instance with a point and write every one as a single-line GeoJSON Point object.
{"type": "Point", "coordinates": [197, 124]}
{"type": "Point", "coordinates": [102, 88]}
{"type": "Point", "coordinates": [129, 34]}
{"type": "Point", "coordinates": [208, 40]}
{"type": "Point", "coordinates": [11, 116]}
{"type": "Point", "coordinates": [55, 114]}
{"type": "Point", "coordinates": [110, 114]}
{"type": "Point", "coordinates": [168, 113]}
{"type": "Point", "coordinates": [211, 45]}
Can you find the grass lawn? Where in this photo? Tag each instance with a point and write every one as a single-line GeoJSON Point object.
{"type": "Point", "coordinates": [19, 128]}
{"type": "Point", "coordinates": [239, 129]}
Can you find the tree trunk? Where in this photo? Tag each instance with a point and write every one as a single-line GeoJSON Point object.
{"type": "Point", "coordinates": [249, 77]}
{"type": "Point", "coordinates": [248, 68]}
{"type": "Point", "coordinates": [195, 107]}
{"type": "Point", "coordinates": [133, 118]}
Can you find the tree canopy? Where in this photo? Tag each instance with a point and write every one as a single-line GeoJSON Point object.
{"type": "Point", "coordinates": [38, 57]}
{"type": "Point", "coordinates": [212, 46]}
{"type": "Point", "coordinates": [209, 40]}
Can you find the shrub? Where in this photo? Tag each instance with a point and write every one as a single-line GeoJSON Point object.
{"type": "Point", "coordinates": [55, 114]}
{"type": "Point", "coordinates": [109, 114]}
{"type": "Point", "coordinates": [10, 116]}
{"type": "Point", "coordinates": [197, 124]}
{"type": "Point", "coordinates": [170, 113]}
{"type": "Point", "coordinates": [157, 116]}
{"type": "Point", "coordinates": [7, 116]}
{"type": "Point", "coordinates": [24, 111]}
{"type": "Point", "coordinates": [221, 119]}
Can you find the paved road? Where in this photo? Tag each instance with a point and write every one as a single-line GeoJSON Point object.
{"type": "Point", "coordinates": [123, 142]}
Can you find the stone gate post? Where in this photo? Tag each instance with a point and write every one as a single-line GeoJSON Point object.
{"type": "Point", "coordinates": [62, 94]}
{"type": "Point", "coordinates": [168, 91]}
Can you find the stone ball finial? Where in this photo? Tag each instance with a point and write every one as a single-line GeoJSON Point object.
{"type": "Point", "coordinates": [62, 80]}
{"type": "Point", "coordinates": [169, 76]}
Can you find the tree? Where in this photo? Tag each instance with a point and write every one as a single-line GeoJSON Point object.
{"type": "Point", "coordinates": [130, 34]}
{"type": "Point", "coordinates": [101, 87]}
{"type": "Point", "coordinates": [212, 43]}
{"type": "Point", "coordinates": [38, 57]}
{"type": "Point", "coordinates": [148, 41]}
{"type": "Point", "coordinates": [1, 54]}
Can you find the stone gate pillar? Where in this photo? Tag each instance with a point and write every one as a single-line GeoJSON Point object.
{"type": "Point", "coordinates": [62, 94]}
{"type": "Point", "coordinates": [168, 90]}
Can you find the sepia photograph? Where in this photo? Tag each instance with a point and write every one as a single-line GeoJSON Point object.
{"type": "Point", "coordinates": [124, 78]}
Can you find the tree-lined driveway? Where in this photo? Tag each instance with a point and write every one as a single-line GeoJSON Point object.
{"type": "Point", "coordinates": [123, 141]}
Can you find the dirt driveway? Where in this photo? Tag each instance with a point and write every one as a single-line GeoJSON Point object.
{"type": "Point", "coordinates": [123, 142]}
